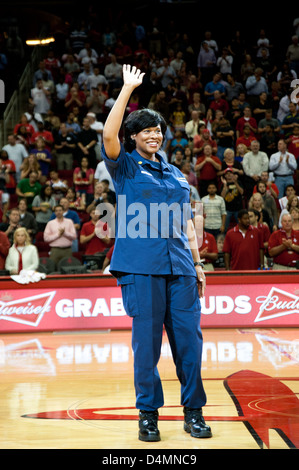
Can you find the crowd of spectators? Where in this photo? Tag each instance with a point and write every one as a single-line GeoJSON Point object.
{"type": "Point", "coordinates": [233, 130]}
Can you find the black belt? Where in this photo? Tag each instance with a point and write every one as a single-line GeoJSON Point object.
{"type": "Point", "coordinates": [290, 174]}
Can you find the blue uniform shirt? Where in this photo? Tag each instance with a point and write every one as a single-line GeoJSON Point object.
{"type": "Point", "coordinates": [153, 206]}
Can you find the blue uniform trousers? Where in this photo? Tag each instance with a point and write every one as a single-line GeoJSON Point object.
{"type": "Point", "coordinates": [172, 301]}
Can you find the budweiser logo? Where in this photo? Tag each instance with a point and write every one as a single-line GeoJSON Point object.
{"type": "Point", "coordinates": [28, 311]}
{"type": "Point", "coordinates": [277, 304]}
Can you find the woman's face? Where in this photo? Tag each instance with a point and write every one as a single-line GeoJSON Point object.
{"type": "Point", "coordinates": [257, 202]}
{"type": "Point", "coordinates": [148, 141]}
{"type": "Point", "coordinates": [20, 238]}
{"type": "Point", "coordinates": [229, 156]}
{"type": "Point", "coordinates": [294, 213]}
{"type": "Point", "coordinates": [70, 194]}
{"type": "Point", "coordinates": [48, 191]}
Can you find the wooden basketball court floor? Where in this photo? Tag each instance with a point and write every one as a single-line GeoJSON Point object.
{"type": "Point", "coordinates": [75, 391]}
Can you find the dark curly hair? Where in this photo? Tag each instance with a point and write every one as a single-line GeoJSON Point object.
{"type": "Point", "coordinates": [139, 120]}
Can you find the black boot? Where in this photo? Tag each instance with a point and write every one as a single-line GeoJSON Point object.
{"type": "Point", "coordinates": [148, 426]}
{"type": "Point", "coordinates": [195, 423]}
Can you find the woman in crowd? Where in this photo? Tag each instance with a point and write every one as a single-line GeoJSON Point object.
{"type": "Point", "coordinates": [22, 254]}
{"type": "Point", "coordinates": [77, 201]}
{"type": "Point", "coordinates": [294, 211]}
{"type": "Point", "coordinates": [43, 206]}
{"type": "Point", "coordinates": [83, 177]}
{"type": "Point", "coordinates": [293, 202]}
{"type": "Point", "coordinates": [256, 202]}
{"type": "Point", "coordinates": [29, 164]}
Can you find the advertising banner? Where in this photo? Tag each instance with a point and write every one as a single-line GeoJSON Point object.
{"type": "Point", "coordinates": [71, 308]}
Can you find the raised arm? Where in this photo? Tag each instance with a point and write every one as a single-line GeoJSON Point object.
{"type": "Point", "coordinates": [132, 79]}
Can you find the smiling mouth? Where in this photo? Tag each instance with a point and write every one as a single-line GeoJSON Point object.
{"type": "Point", "coordinates": [152, 144]}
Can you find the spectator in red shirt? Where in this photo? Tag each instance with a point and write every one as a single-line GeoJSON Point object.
{"type": "Point", "coordinates": [206, 242]}
{"type": "Point", "coordinates": [10, 184]}
{"type": "Point", "coordinates": [246, 138]}
{"type": "Point", "coordinates": [29, 129]}
{"type": "Point", "coordinates": [293, 142]}
{"type": "Point", "coordinates": [47, 136]}
{"type": "Point", "coordinates": [200, 140]}
{"type": "Point", "coordinates": [293, 147]}
{"type": "Point", "coordinates": [90, 233]}
{"type": "Point", "coordinates": [283, 245]}
{"type": "Point", "coordinates": [208, 165]}
{"type": "Point", "coordinates": [107, 261]}
{"type": "Point", "coordinates": [4, 249]}
{"type": "Point", "coordinates": [83, 177]}
{"type": "Point", "coordinates": [246, 119]}
{"type": "Point", "coordinates": [272, 189]}
{"type": "Point", "coordinates": [219, 103]}
{"type": "Point", "coordinates": [254, 218]}
{"type": "Point", "coordinates": [243, 245]}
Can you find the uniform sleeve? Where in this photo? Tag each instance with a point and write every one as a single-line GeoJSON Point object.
{"type": "Point", "coordinates": [119, 168]}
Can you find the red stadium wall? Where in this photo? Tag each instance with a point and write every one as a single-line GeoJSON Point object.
{"type": "Point", "coordinates": [92, 301]}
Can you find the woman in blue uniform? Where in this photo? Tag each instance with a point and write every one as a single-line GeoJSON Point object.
{"type": "Point", "coordinates": [158, 269]}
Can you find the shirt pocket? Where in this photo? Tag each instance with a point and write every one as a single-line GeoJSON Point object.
{"type": "Point", "coordinates": [184, 184]}
{"type": "Point", "coordinates": [146, 187]}
{"type": "Point", "coordinates": [146, 178]}
{"type": "Point", "coordinates": [129, 295]}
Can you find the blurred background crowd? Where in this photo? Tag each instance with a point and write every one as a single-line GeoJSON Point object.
{"type": "Point", "coordinates": [228, 93]}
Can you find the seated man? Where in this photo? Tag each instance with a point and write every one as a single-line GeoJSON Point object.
{"type": "Point", "coordinates": [283, 245]}
{"type": "Point", "coordinates": [96, 240]}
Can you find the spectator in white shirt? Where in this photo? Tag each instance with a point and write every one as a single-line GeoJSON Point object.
{"type": "Point", "coordinates": [16, 152]}
{"type": "Point", "coordinates": [254, 163]}
{"type": "Point", "coordinates": [283, 164]}
{"type": "Point", "coordinates": [225, 62]}
{"type": "Point", "coordinates": [98, 126]}
{"type": "Point", "coordinates": [40, 98]}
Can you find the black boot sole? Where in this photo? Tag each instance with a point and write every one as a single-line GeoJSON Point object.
{"type": "Point", "coordinates": [149, 438]}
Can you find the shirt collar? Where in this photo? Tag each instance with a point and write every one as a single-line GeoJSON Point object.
{"type": "Point", "coordinates": [237, 229]}
{"type": "Point", "coordinates": [144, 161]}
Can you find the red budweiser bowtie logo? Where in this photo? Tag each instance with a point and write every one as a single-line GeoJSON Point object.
{"type": "Point", "coordinates": [277, 304]}
{"type": "Point", "coordinates": [28, 311]}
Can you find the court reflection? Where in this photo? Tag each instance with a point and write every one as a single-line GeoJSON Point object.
{"type": "Point", "coordinates": [250, 376]}
{"type": "Point", "coordinates": [45, 353]}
